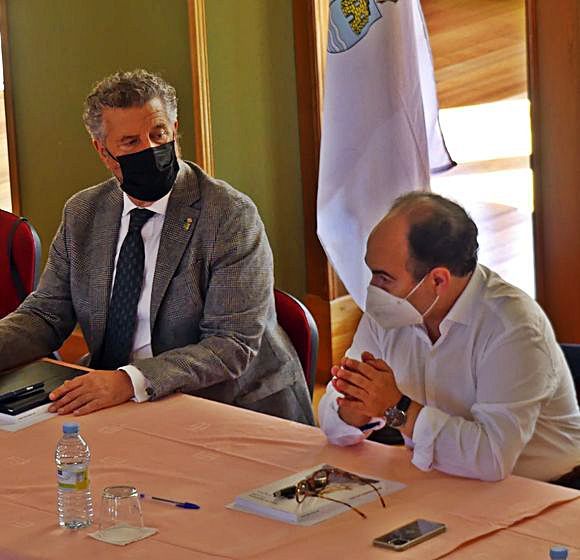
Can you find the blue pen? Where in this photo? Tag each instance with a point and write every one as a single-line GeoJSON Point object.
{"type": "Point", "coordinates": [184, 505]}
{"type": "Point", "coordinates": [368, 426]}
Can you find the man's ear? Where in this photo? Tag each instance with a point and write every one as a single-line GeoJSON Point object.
{"type": "Point", "coordinates": [176, 138]}
{"type": "Point", "coordinates": [104, 156]}
{"type": "Point", "coordinates": [100, 150]}
{"type": "Point", "coordinates": [441, 277]}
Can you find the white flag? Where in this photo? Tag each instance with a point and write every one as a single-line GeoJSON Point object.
{"type": "Point", "coordinates": [380, 126]}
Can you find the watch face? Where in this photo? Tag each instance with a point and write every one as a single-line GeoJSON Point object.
{"type": "Point", "coordinates": [395, 418]}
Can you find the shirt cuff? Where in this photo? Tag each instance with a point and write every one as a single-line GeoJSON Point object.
{"type": "Point", "coordinates": [139, 381]}
{"type": "Point", "coordinates": [429, 423]}
{"type": "Point", "coordinates": [337, 431]}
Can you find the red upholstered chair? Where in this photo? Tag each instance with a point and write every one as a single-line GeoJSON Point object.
{"type": "Point", "coordinates": [299, 325]}
{"type": "Point", "coordinates": [19, 261]}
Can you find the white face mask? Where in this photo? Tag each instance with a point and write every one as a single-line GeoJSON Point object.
{"type": "Point", "coordinates": [392, 312]}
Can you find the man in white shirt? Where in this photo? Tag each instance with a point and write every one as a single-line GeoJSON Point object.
{"type": "Point", "coordinates": [465, 365]}
{"type": "Point", "coordinates": [167, 271]}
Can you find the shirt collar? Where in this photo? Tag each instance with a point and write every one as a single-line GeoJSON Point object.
{"type": "Point", "coordinates": [463, 308]}
{"type": "Point", "coordinates": [159, 206]}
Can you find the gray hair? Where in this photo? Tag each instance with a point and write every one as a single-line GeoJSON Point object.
{"type": "Point", "coordinates": [122, 90]}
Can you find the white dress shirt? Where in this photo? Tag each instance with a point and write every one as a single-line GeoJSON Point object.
{"type": "Point", "coordinates": [151, 234]}
{"type": "Point", "coordinates": [497, 393]}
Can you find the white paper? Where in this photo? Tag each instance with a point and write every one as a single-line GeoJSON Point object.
{"type": "Point", "coordinates": [261, 501]}
{"type": "Point", "coordinates": [123, 535]}
{"type": "Point", "coordinates": [10, 423]}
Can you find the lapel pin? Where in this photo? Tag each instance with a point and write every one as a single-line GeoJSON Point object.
{"type": "Point", "coordinates": [187, 224]}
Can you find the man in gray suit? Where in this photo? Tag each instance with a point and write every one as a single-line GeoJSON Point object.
{"type": "Point", "coordinates": [168, 272]}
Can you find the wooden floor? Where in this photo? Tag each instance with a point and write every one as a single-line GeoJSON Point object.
{"type": "Point", "coordinates": [479, 52]}
{"type": "Point", "coordinates": [479, 49]}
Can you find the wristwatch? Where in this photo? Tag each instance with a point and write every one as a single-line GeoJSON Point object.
{"type": "Point", "coordinates": [396, 416]}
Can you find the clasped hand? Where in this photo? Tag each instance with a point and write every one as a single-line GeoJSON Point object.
{"type": "Point", "coordinates": [369, 388]}
{"type": "Point", "coordinates": [92, 391]}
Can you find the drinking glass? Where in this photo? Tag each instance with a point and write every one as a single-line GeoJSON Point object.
{"type": "Point", "coordinates": [121, 515]}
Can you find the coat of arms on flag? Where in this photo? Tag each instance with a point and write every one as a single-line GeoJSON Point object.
{"type": "Point", "coordinates": [349, 21]}
{"type": "Point", "coordinates": [380, 132]}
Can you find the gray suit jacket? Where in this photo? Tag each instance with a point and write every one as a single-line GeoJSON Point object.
{"type": "Point", "coordinates": [213, 321]}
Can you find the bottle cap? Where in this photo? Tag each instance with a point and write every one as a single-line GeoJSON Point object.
{"type": "Point", "coordinates": [558, 552]}
{"type": "Point", "coordinates": [73, 428]}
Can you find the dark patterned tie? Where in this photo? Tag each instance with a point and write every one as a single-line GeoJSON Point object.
{"type": "Point", "coordinates": [122, 316]}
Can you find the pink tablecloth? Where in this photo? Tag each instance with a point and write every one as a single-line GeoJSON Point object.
{"type": "Point", "coordinates": [187, 448]}
{"type": "Point", "coordinates": [530, 539]}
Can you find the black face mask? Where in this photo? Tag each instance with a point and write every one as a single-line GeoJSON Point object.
{"type": "Point", "coordinates": [149, 175]}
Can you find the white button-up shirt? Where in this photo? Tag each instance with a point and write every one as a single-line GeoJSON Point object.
{"type": "Point", "coordinates": [151, 234]}
{"type": "Point", "coordinates": [498, 395]}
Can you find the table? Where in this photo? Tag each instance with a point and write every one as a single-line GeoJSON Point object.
{"type": "Point", "coordinates": [193, 449]}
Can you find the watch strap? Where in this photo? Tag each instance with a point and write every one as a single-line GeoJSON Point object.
{"type": "Point", "coordinates": [396, 416]}
{"type": "Point", "coordinates": [404, 403]}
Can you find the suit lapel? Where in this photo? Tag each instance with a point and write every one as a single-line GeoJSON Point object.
{"type": "Point", "coordinates": [180, 222]}
{"type": "Point", "coordinates": [104, 237]}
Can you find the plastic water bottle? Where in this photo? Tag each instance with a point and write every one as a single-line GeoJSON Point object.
{"type": "Point", "coordinates": [74, 502]}
{"type": "Point", "coordinates": [558, 552]}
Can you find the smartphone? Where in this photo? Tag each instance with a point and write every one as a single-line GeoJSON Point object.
{"type": "Point", "coordinates": [411, 534]}
{"type": "Point", "coordinates": [18, 405]}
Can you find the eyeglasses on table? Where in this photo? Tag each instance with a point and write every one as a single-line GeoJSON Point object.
{"type": "Point", "coordinates": [320, 482]}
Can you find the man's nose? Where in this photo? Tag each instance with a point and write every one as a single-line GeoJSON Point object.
{"type": "Point", "coordinates": [149, 143]}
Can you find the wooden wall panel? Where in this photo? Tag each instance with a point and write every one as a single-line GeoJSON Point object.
{"type": "Point", "coordinates": [9, 111]}
{"type": "Point", "coordinates": [554, 84]}
{"type": "Point", "coordinates": [309, 56]}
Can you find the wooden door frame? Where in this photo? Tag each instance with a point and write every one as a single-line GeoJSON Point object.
{"type": "Point", "coordinates": [335, 311]}
{"type": "Point", "coordinates": [553, 41]}
{"type": "Point", "coordinates": [9, 110]}
{"type": "Point", "coordinates": [204, 155]}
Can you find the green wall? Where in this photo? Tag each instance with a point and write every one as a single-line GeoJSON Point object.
{"type": "Point", "coordinates": [255, 122]}
{"type": "Point", "coordinates": [59, 48]}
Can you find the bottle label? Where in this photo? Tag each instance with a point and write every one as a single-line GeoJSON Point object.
{"type": "Point", "coordinates": [72, 479]}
